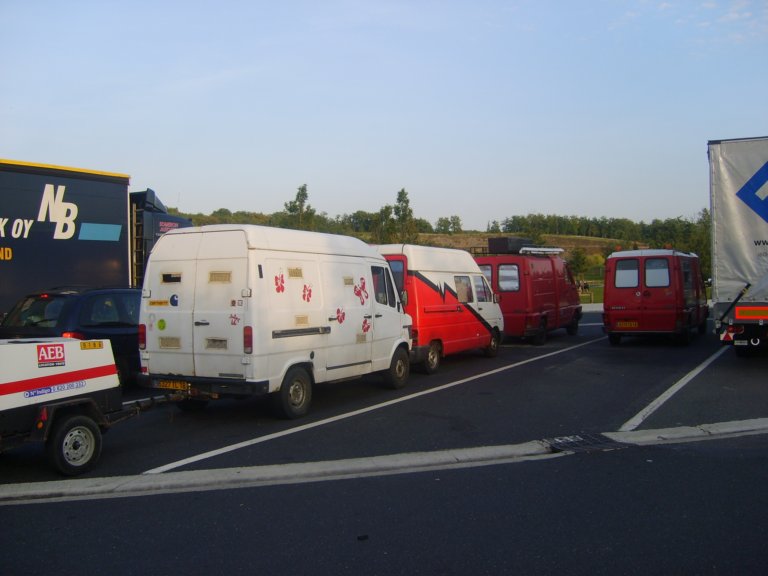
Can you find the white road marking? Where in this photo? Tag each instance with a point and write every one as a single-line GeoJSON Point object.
{"type": "Point", "coordinates": [297, 429]}
{"type": "Point", "coordinates": [638, 419]}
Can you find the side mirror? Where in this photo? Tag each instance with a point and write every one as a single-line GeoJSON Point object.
{"type": "Point", "coordinates": [495, 298]}
{"type": "Point", "coordinates": [404, 298]}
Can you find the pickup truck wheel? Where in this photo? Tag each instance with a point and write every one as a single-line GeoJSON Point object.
{"type": "Point", "coordinates": [295, 394]}
{"type": "Point", "coordinates": [432, 361]}
{"type": "Point", "coordinates": [74, 445]}
{"type": "Point", "coordinates": [399, 369]}
{"type": "Point", "coordinates": [493, 347]}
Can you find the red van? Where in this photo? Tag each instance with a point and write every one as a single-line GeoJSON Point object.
{"type": "Point", "coordinates": [449, 300]}
{"type": "Point", "coordinates": [536, 291]}
{"type": "Point", "coordinates": [653, 292]}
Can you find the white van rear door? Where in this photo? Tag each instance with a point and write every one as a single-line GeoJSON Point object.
{"type": "Point", "coordinates": [222, 300]}
{"type": "Point", "coordinates": [167, 304]}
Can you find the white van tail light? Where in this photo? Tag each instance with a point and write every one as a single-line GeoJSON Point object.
{"type": "Point", "coordinates": [142, 336]}
{"type": "Point", "coordinates": [248, 339]}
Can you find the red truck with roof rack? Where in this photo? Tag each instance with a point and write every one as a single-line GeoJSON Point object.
{"type": "Point", "coordinates": [535, 287]}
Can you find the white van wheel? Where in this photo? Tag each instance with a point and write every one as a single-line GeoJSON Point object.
{"type": "Point", "coordinates": [295, 394]}
{"type": "Point", "coordinates": [493, 347]}
{"type": "Point", "coordinates": [399, 369]}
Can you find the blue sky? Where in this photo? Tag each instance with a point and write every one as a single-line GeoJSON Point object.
{"type": "Point", "coordinates": [484, 109]}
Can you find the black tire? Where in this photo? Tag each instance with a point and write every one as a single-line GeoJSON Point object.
{"type": "Point", "coordinates": [614, 339]}
{"type": "Point", "coordinates": [541, 336]}
{"type": "Point", "coordinates": [74, 445]}
{"type": "Point", "coordinates": [573, 328]}
{"type": "Point", "coordinates": [492, 349]}
{"type": "Point", "coordinates": [399, 369]}
{"type": "Point", "coordinates": [295, 395]}
{"type": "Point", "coordinates": [432, 361]}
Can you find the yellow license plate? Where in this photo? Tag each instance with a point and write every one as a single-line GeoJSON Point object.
{"type": "Point", "coordinates": [172, 385]}
{"type": "Point", "coordinates": [627, 324]}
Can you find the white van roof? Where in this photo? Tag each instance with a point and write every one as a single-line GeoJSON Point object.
{"type": "Point", "coordinates": [285, 239]}
{"type": "Point", "coordinates": [433, 259]}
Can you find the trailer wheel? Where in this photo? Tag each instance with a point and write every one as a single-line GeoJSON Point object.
{"type": "Point", "coordinates": [493, 346]}
{"type": "Point", "coordinates": [399, 369]}
{"type": "Point", "coordinates": [432, 361]}
{"type": "Point", "coordinates": [295, 394]}
{"type": "Point", "coordinates": [74, 445]}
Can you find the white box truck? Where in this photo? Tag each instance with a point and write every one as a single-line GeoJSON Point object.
{"type": "Point", "coordinates": [739, 210]}
{"type": "Point", "coordinates": [240, 310]}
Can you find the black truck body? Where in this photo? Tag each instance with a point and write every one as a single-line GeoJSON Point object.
{"type": "Point", "coordinates": [68, 226]}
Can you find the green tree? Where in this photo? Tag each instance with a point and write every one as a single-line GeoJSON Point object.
{"type": "Point", "coordinates": [406, 226]}
{"type": "Point", "coordinates": [578, 261]}
{"type": "Point", "coordinates": [443, 225]}
{"type": "Point", "coordinates": [301, 214]}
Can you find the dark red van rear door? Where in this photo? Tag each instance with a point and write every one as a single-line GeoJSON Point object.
{"type": "Point", "coordinates": [658, 296]}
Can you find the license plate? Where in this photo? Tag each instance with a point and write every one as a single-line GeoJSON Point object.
{"type": "Point", "coordinates": [172, 385]}
{"type": "Point", "coordinates": [627, 324]}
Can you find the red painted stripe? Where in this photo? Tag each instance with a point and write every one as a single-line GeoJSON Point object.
{"type": "Point", "coordinates": [54, 379]}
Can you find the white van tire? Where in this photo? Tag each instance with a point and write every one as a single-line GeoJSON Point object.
{"type": "Point", "coordinates": [295, 394]}
{"type": "Point", "coordinates": [492, 349]}
{"type": "Point", "coordinates": [399, 369]}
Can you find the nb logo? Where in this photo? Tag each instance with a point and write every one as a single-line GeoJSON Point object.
{"type": "Point", "coordinates": [54, 209]}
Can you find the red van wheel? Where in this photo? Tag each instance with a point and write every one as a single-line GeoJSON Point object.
{"type": "Point", "coordinates": [432, 361]}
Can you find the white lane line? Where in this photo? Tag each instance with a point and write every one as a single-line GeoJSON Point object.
{"type": "Point", "coordinates": [638, 419]}
{"type": "Point", "coordinates": [297, 429]}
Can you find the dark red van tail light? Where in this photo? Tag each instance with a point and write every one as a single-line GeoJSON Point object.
{"type": "Point", "coordinates": [248, 339]}
{"type": "Point", "coordinates": [142, 336]}
{"type": "Point", "coordinates": [77, 335]}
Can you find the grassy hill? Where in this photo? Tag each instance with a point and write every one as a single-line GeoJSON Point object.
{"type": "Point", "coordinates": [479, 240]}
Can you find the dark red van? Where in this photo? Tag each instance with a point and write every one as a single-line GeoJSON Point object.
{"type": "Point", "coordinates": [653, 292]}
{"type": "Point", "coordinates": [536, 291]}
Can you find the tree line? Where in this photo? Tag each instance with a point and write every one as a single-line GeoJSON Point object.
{"type": "Point", "coordinates": [396, 223]}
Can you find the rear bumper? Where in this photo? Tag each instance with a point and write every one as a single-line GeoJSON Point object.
{"type": "Point", "coordinates": [192, 386]}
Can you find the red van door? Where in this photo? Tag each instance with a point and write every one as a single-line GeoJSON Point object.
{"type": "Point", "coordinates": [659, 307]}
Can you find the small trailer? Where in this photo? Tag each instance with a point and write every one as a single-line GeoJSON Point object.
{"type": "Point", "coordinates": [62, 392]}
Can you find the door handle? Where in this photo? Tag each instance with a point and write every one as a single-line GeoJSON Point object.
{"type": "Point", "coordinates": [378, 315]}
{"type": "Point", "coordinates": [369, 316]}
{"type": "Point", "coordinates": [202, 323]}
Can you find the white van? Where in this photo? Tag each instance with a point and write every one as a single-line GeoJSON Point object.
{"type": "Point", "coordinates": [239, 310]}
{"type": "Point", "coordinates": [449, 300]}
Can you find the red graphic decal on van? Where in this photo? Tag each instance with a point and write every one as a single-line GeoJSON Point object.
{"type": "Point", "coordinates": [340, 315]}
{"type": "Point", "coordinates": [280, 283]}
{"type": "Point", "coordinates": [366, 325]}
{"type": "Point", "coordinates": [361, 292]}
{"type": "Point", "coordinates": [234, 319]}
{"type": "Point", "coordinates": [307, 295]}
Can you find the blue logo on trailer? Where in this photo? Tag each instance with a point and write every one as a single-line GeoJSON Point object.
{"type": "Point", "coordinates": [749, 193]}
